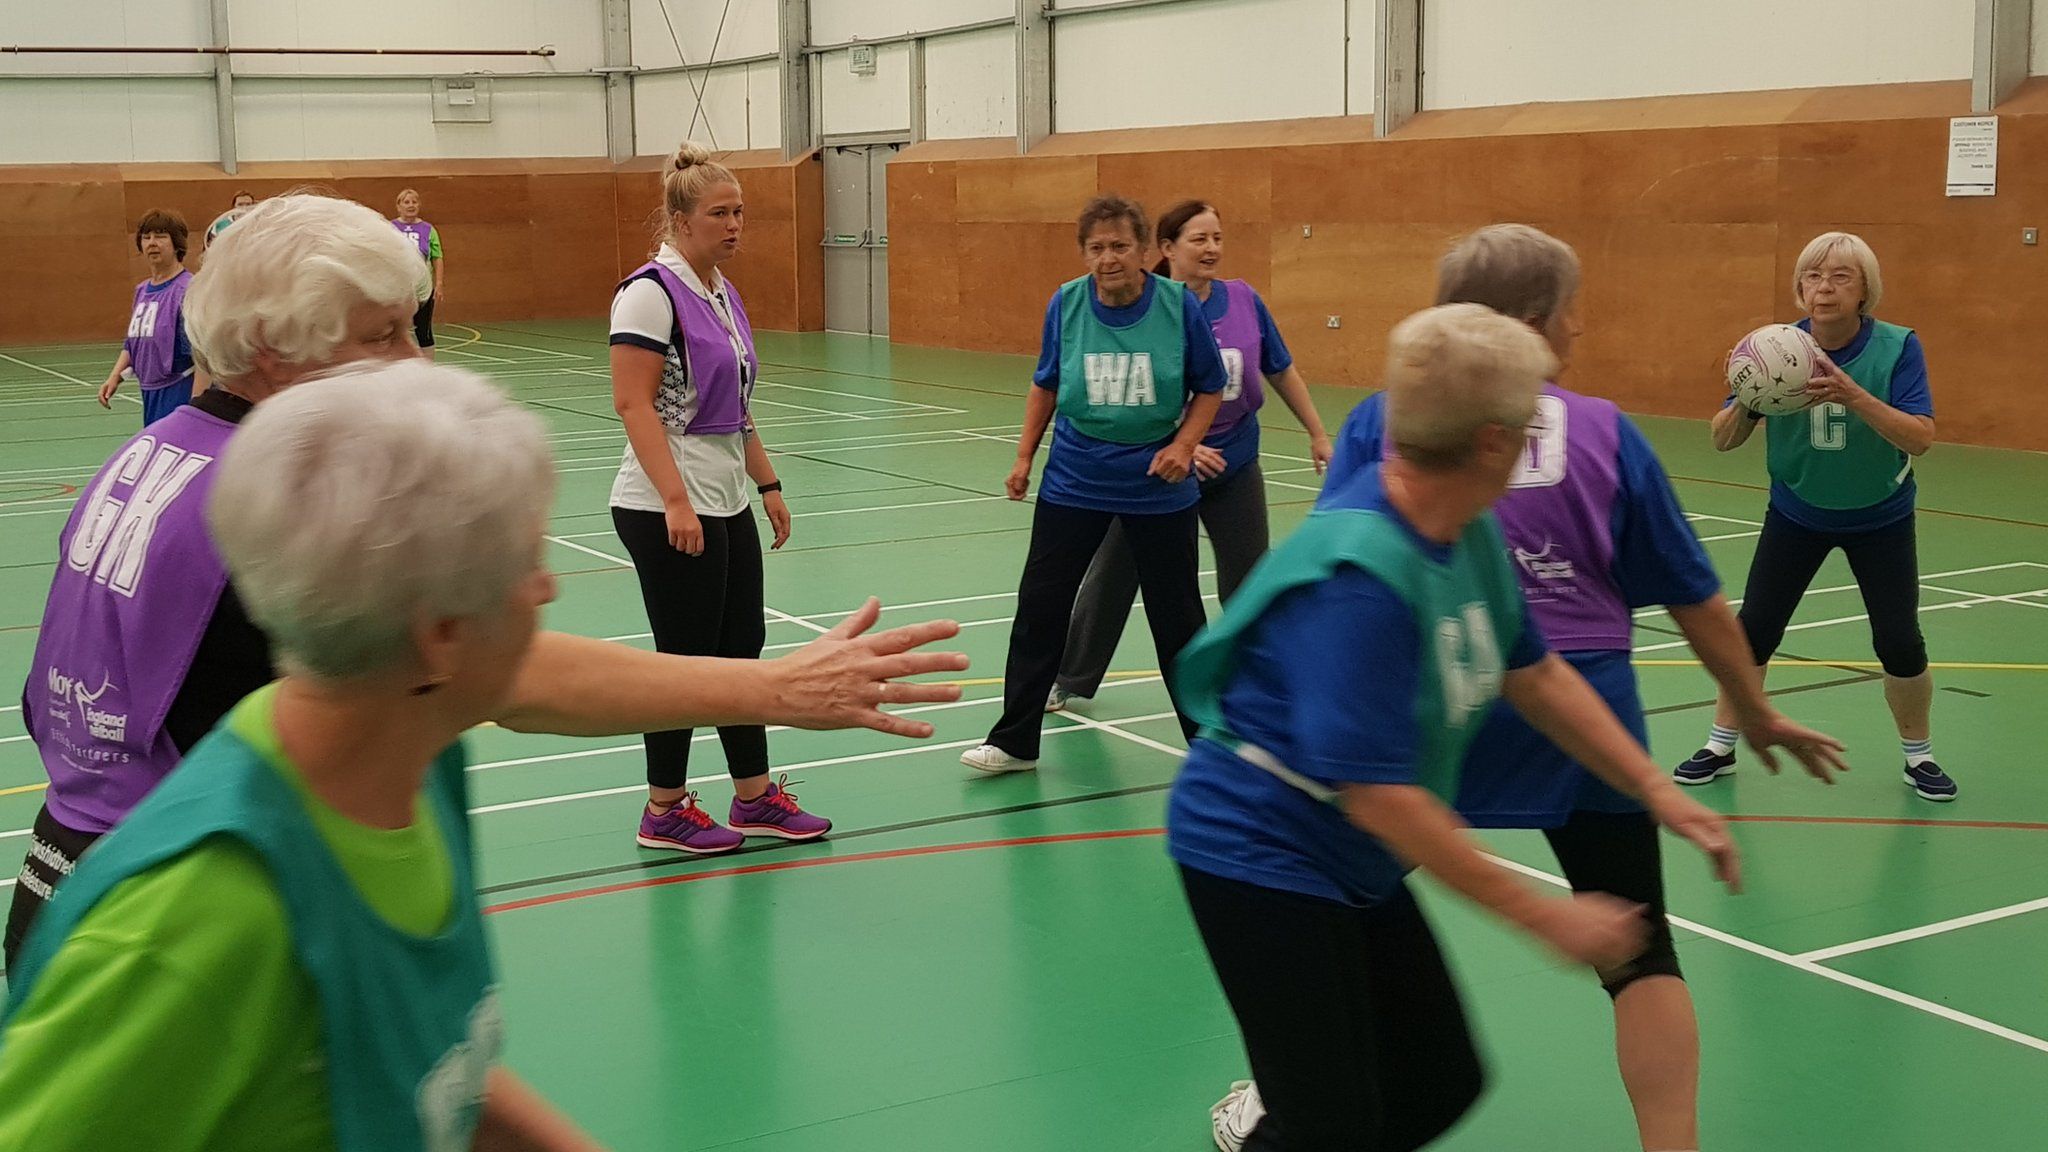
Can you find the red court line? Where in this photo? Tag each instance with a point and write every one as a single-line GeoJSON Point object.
{"type": "Point", "coordinates": [1891, 822]}
{"type": "Point", "coordinates": [819, 862]}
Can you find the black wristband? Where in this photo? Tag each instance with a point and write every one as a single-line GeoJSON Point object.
{"type": "Point", "coordinates": [1749, 412]}
{"type": "Point", "coordinates": [774, 487]}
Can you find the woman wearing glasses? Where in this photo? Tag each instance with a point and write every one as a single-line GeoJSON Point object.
{"type": "Point", "coordinates": [1842, 477]}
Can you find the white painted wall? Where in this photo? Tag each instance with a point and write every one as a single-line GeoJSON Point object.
{"type": "Point", "coordinates": [2040, 38]}
{"type": "Point", "coordinates": [749, 29]}
{"type": "Point", "coordinates": [861, 104]}
{"type": "Point", "coordinates": [574, 28]}
{"type": "Point", "coordinates": [741, 107]}
{"type": "Point", "coordinates": [106, 121]}
{"type": "Point", "coordinates": [1487, 52]}
{"type": "Point", "coordinates": [837, 21]}
{"type": "Point", "coordinates": [1206, 61]}
{"type": "Point", "coordinates": [328, 119]}
{"type": "Point", "coordinates": [157, 23]}
{"type": "Point", "coordinates": [970, 85]}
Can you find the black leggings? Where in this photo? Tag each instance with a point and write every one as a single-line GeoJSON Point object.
{"type": "Point", "coordinates": [1063, 542]}
{"type": "Point", "coordinates": [708, 605]}
{"type": "Point", "coordinates": [1618, 853]}
{"type": "Point", "coordinates": [1886, 564]}
{"type": "Point", "coordinates": [1352, 1022]}
{"type": "Point", "coordinates": [423, 323]}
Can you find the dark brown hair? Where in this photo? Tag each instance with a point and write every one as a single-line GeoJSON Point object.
{"type": "Point", "coordinates": [1171, 225]}
{"type": "Point", "coordinates": [166, 221]}
{"type": "Point", "coordinates": [239, 193]}
{"type": "Point", "coordinates": [1109, 208]}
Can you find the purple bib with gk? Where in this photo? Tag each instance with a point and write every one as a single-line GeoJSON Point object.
{"type": "Point", "coordinates": [719, 366]}
{"type": "Point", "coordinates": [1244, 349]}
{"type": "Point", "coordinates": [419, 232]}
{"type": "Point", "coordinates": [1558, 519]}
{"type": "Point", "coordinates": [152, 341]}
{"type": "Point", "coordinates": [137, 581]}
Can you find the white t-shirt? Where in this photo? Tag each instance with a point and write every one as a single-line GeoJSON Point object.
{"type": "Point", "coordinates": [714, 466]}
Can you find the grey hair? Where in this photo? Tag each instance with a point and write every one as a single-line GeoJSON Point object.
{"type": "Point", "coordinates": [351, 507]}
{"type": "Point", "coordinates": [1846, 244]}
{"type": "Point", "coordinates": [284, 278]}
{"type": "Point", "coordinates": [1452, 370]}
{"type": "Point", "coordinates": [1513, 269]}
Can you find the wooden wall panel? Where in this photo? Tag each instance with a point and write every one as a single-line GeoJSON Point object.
{"type": "Point", "coordinates": [808, 176]}
{"type": "Point", "coordinates": [1024, 190]}
{"type": "Point", "coordinates": [1008, 273]}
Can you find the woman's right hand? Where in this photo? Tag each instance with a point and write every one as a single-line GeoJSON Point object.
{"type": "Point", "coordinates": [1019, 481]}
{"type": "Point", "coordinates": [107, 391]}
{"type": "Point", "coordinates": [1592, 928]}
{"type": "Point", "coordinates": [685, 531]}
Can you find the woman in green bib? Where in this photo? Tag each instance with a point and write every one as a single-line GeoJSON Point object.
{"type": "Point", "coordinates": [1129, 378]}
{"type": "Point", "coordinates": [1842, 477]}
{"type": "Point", "coordinates": [281, 948]}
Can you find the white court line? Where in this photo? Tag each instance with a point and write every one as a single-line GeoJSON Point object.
{"type": "Point", "coordinates": [1724, 519]}
{"type": "Point", "coordinates": [1736, 602]}
{"type": "Point", "coordinates": [2009, 598]}
{"type": "Point", "coordinates": [799, 621]}
{"type": "Point", "coordinates": [1729, 536]}
{"type": "Point", "coordinates": [834, 512]}
{"type": "Point", "coordinates": [767, 611]}
{"type": "Point", "coordinates": [843, 395]}
{"type": "Point", "coordinates": [1804, 965]}
{"type": "Point", "coordinates": [1823, 954]}
{"type": "Point", "coordinates": [1976, 600]}
{"type": "Point", "coordinates": [64, 376]}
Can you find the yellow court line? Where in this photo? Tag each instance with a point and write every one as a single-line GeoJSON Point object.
{"type": "Point", "coordinates": [1954, 665]}
{"type": "Point", "coordinates": [20, 788]}
{"type": "Point", "coordinates": [1135, 674]}
{"type": "Point", "coordinates": [475, 334]}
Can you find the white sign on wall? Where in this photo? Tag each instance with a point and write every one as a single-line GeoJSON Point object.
{"type": "Point", "coordinates": [862, 59]}
{"type": "Point", "coordinates": [1973, 156]}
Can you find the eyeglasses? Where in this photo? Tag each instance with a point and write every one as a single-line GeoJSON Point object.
{"type": "Point", "coordinates": [1816, 278]}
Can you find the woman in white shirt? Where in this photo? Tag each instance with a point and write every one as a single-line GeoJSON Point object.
{"type": "Point", "coordinates": [683, 373]}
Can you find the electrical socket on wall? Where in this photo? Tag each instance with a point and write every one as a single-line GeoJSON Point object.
{"type": "Point", "coordinates": [2030, 236]}
{"type": "Point", "coordinates": [1305, 229]}
{"type": "Point", "coordinates": [1335, 322]}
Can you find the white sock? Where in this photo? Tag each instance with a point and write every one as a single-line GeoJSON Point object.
{"type": "Point", "coordinates": [1721, 741]}
{"type": "Point", "coordinates": [1918, 752]}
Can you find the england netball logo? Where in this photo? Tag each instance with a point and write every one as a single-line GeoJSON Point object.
{"type": "Point", "coordinates": [1539, 565]}
{"type": "Point", "coordinates": [111, 727]}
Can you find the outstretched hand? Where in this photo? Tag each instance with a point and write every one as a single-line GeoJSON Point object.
{"type": "Point", "coordinates": [842, 679]}
{"type": "Point", "coordinates": [1819, 753]}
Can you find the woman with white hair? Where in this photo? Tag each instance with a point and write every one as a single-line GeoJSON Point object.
{"type": "Point", "coordinates": [146, 644]}
{"type": "Point", "coordinates": [1842, 477]}
{"type": "Point", "coordinates": [282, 946]}
{"type": "Point", "coordinates": [1337, 695]}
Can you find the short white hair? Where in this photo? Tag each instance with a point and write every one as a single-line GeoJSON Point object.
{"type": "Point", "coordinates": [1452, 370]}
{"type": "Point", "coordinates": [353, 506]}
{"type": "Point", "coordinates": [285, 277]}
{"type": "Point", "coordinates": [1849, 246]}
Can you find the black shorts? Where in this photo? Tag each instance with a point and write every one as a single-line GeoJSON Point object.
{"type": "Point", "coordinates": [423, 323]}
{"type": "Point", "coordinates": [1350, 1018]}
{"type": "Point", "coordinates": [53, 851]}
{"type": "Point", "coordinates": [1618, 853]}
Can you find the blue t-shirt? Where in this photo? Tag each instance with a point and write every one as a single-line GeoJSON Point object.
{"type": "Point", "coordinates": [1326, 681]}
{"type": "Point", "coordinates": [1240, 445]}
{"type": "Point", "coordinates": [1084, 472]}
{"type": "Point", "coordinates": [1657, 557]}
{"type": "Point", "coordinates": [1909, 394]}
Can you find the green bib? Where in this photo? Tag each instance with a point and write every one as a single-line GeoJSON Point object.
{"type": "Point", "coordinates": [1125, 385]}
{"type": "Point", "coordinates": [1828, 457]}
{"type": "Point", "coordinates": [1468, 610]}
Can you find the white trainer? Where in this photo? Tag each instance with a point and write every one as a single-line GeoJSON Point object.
{"type": "Point", "coordinates": [1232, 1119]}
{"type": "Point", "coordinates": [1058, 699]}
{"type": "Point", "coordinates": [994, 761]}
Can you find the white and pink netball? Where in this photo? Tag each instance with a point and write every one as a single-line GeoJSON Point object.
{"type": "Point", "coordinates": [1769, 369]}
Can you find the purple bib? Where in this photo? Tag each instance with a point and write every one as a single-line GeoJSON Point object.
{"type": "Point", "coordinates": [152, 341]}
{"type": "Point", "coordinates": [421, 233]}
{"type": "Point", "coordinates": [1558, 517]}
{"type": "Point", "coordinates": [1243, 348]}
{"type": "Point", "coordinates": [137, 581]}
{"type": "Point", "coordinates": [718, 373]}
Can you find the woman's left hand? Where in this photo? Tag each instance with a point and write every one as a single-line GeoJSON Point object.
{"type": "Point", "coordinates": [778, 518]}
{"type": "Point", "coordinates": [1209, 463]}
{"type": "Point", "coordinates": [1320, 451]}
{"type": "Point", "coordinates": [1173, 463]}
{"type": "Point", "coordinates": [1831, 385]}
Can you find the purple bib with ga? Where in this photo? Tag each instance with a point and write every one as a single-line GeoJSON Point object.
{"type": "Point", "coordinates": [719, 366]}
{"type": "Point", "coordinates": [421, 233]}
{"type": "Point", "coordinates": [1558, 517]}
{"type": "Point", "coordinates": [152, 341]}
{"type": "Point", "coordinates": [1243, 348]}
{"type": "Point", "coordinates": [137, 581]}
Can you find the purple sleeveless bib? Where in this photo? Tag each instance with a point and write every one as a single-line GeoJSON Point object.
{"type": "Point", "coordinates": [152, 341]}
{"type": "Point", "coordinates": [421, 233]}
{"type": "Point", "coordinates": [713, 367]}
{"type": "Point", "coordinates": [1237, 336]}
{"type": "Point", "coordinates": [1557, 516]}
{"type": "Point", "coordinates": [137, 580]}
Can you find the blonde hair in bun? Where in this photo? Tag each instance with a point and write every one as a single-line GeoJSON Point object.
{"type": "Point", "coordinates": [690, 173]}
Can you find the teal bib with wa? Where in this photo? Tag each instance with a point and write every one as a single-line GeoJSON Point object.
{"type": "Point", "coordinates": [1828, 457]}
{"type": "Point", "coordinates": [410, 1025]}
{"type": "Point", "coordinates": [1125, 385]}
{"type": "Point", "coordinates": [1468, 611]}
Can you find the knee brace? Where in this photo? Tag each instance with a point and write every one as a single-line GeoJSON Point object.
{"type": "Point", "coordinates": [1659, 957]}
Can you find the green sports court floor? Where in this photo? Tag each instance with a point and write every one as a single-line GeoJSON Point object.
{"type": "Point", "coordinates": [1005, 964]}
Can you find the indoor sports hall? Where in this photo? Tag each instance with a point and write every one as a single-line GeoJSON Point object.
{"type": "Point", "coordinates": [1006, 961]}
